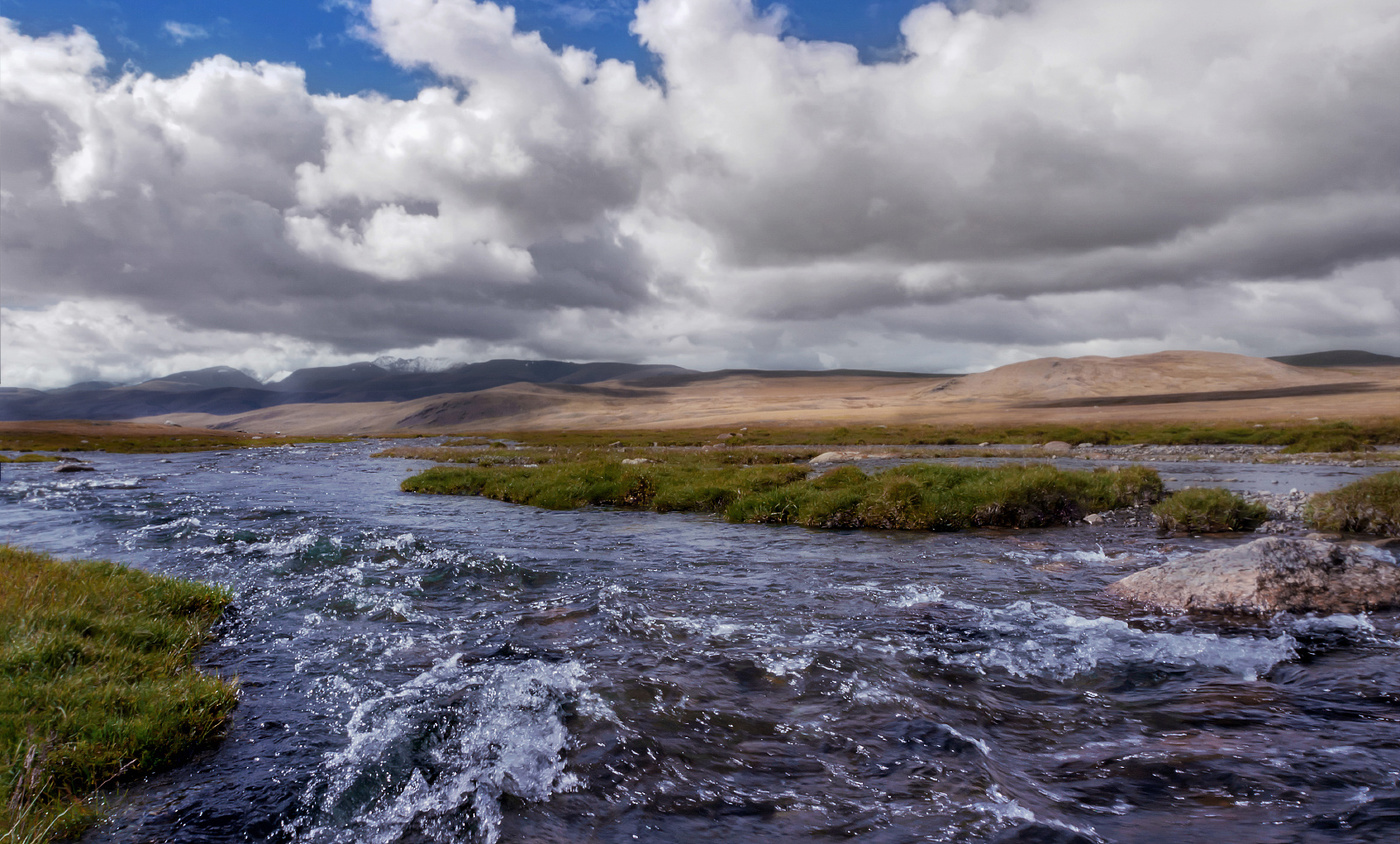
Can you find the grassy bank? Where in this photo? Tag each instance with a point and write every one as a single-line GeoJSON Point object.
{"type": "Point", "coordinates": [916, 497]}
{"type": "Point", "coordinates": [1293, 436]}
{"type": "Point", "coordinates": [130, 438]}
{"type": "Point", "coordinates": [1370, 505]}
{"type": "Point", "coordinates": [96, 684]}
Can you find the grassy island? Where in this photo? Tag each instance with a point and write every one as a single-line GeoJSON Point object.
{"type": "Point", "coordinates": [1370, 505]}
{"type": "Point", "coordinates": [751, 486]}
{"type": "Point", "coordinates": [96, 684]}
{"type": "Point", "coordinates": [1208, 510]}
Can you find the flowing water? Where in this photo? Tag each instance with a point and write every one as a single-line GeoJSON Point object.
{"type": "Point", "coordinates": [438, 669]}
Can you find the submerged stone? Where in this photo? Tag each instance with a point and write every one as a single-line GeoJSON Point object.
{"type": "Point", "coordinates": [73, 467]}
{"type": "Point", "coordinates": [1274, 574]}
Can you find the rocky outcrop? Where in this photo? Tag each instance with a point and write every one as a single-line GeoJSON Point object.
{"type": "Point", "coordinates": [1271, 575]}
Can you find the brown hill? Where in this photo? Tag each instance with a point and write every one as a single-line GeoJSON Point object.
{"type": "Point", "coordinates": [1161, 373]}
{"type": "Point", "coordinates": [1167, 386]}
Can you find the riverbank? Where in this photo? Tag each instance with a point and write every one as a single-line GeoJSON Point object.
{"type": "Point", "coordinates": [97, 684]}
{"type": "Point", "coordinates": [30, 439]}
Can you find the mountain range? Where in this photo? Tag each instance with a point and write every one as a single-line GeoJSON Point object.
{"type": "Point", "coordinates": [224, 391]}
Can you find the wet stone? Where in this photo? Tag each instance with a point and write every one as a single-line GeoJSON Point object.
{"type": "Point", "coordinates": [1275, 574]}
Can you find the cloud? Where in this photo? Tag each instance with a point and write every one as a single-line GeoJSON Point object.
{"type": "Point", "coordinates": [586, 14]}
{"type": "Point", "coordinates": [1028, 178]}
{"type": "Point", "coordinates": [182, 32]}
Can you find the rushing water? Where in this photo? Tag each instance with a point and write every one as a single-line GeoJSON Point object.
{"type": "Point", "coordinates": [437, 669]}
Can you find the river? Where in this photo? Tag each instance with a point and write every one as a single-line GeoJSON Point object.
{"type": "Point", "coordinates": [441, 669]}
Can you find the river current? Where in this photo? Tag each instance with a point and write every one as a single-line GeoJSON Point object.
{"type": "Point", "coordinates": [442, 669]}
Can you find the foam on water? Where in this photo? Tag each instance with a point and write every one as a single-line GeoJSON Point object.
{"type": "Point", "coordinates": [435, 756]}
{"type": "Point", "coordinates": [1041, 639]}
{"type": "Point", "coordinates": [913, 595]}
{"type": "Point", "coordinates": [177, 529]}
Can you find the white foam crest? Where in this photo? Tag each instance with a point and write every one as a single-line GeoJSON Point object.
{"type": "Point", "coordinates": [176, 529]}
{"type": "Point", "coordinates": [782, 666]}
{"type": "Point", "coordinates": [1096, 556]}
{"type": "Point", "coordinates": [1039, 639]}
{"type": "Point", "coordinates": [1004, 808]}
{"type": "Point", "coordinates": [291, 546]}
{"type": "Point", "coordinates": [98, 483]}
{"type": "Point", "coordinates": [403, 543]}
{"type": "Point", "coordinates": [1356, 628]}
{"type": "Point", "coordinates": [912, 595]}
{"type": "Point", "coordinates": [861, 690]}
{"type": "Point", "coordinates": [435, 755]}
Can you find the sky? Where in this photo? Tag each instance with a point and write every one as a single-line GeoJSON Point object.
{"type": "Point", "coordinates": [936, 187]}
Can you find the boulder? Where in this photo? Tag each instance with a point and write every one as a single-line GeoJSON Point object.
{"type": "Point", "coordinates": [73, 467]}
{"type": "Point", "coordinates": [1057, 447]}
{"type": "Point", "coordinates": [1271, 575]}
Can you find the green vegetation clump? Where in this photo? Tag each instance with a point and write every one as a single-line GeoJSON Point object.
{"type": "Point", "coordinates": [913, 497]}
{"type": "Point", "coordinates": [96, 684]}
{"type": "Point", "coordinates": [1372, 432]}
{"type": "Point", "coordinates": [1327, 442]}
{"type": "Point", "coordinates": [1370, 505]}
{"type": "Point", "coordinates": [1208, 510]}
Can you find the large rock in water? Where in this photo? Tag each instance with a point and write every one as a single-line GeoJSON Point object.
{"type": "Point", "coordinates": [1271, 575]}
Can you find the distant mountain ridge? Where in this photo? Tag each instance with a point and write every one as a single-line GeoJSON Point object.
{"type": "Point", "coordinates": [224, 390]}
{"type": "Point", "coordinates": [1339, 357]}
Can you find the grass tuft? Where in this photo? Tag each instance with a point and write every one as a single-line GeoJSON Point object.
{"type": "Point", "coordinates": [96, 684]}
{"type": "Point", "coordinates": [1327, 442]}
{"type": "Point", "coordinates": [1370, 505]}
{"type": "Point", "coordinates": [1208, 510]}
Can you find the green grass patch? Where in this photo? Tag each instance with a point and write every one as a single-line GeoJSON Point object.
{"type": "Point", "coordinates": [96, 684]}
{"type": "Point", "coordinates": [1208, 510]}
{"type": "Point", "coordinates": [128, 438]}
{"type": "Point", "coordinates": [913, 497]}
{"type": "Point", "coordinates": [1370, 505]}
{"type": "Point", "coordinates": [1328, 442]}
{"type": "Point", "coordinates": [1372, 432]}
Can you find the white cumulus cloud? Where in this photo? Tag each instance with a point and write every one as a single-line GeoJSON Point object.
{"type": "Point", "coordinates": [1036, 177]}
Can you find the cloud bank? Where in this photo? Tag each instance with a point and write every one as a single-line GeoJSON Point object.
{"type": "Point", "coordinates": [1051, 177]}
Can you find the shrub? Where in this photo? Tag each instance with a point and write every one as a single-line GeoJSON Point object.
{"type": "Point", "coordinates": [1208, 510]}
{"type": "Point", "coordinates": [1370, 505]}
